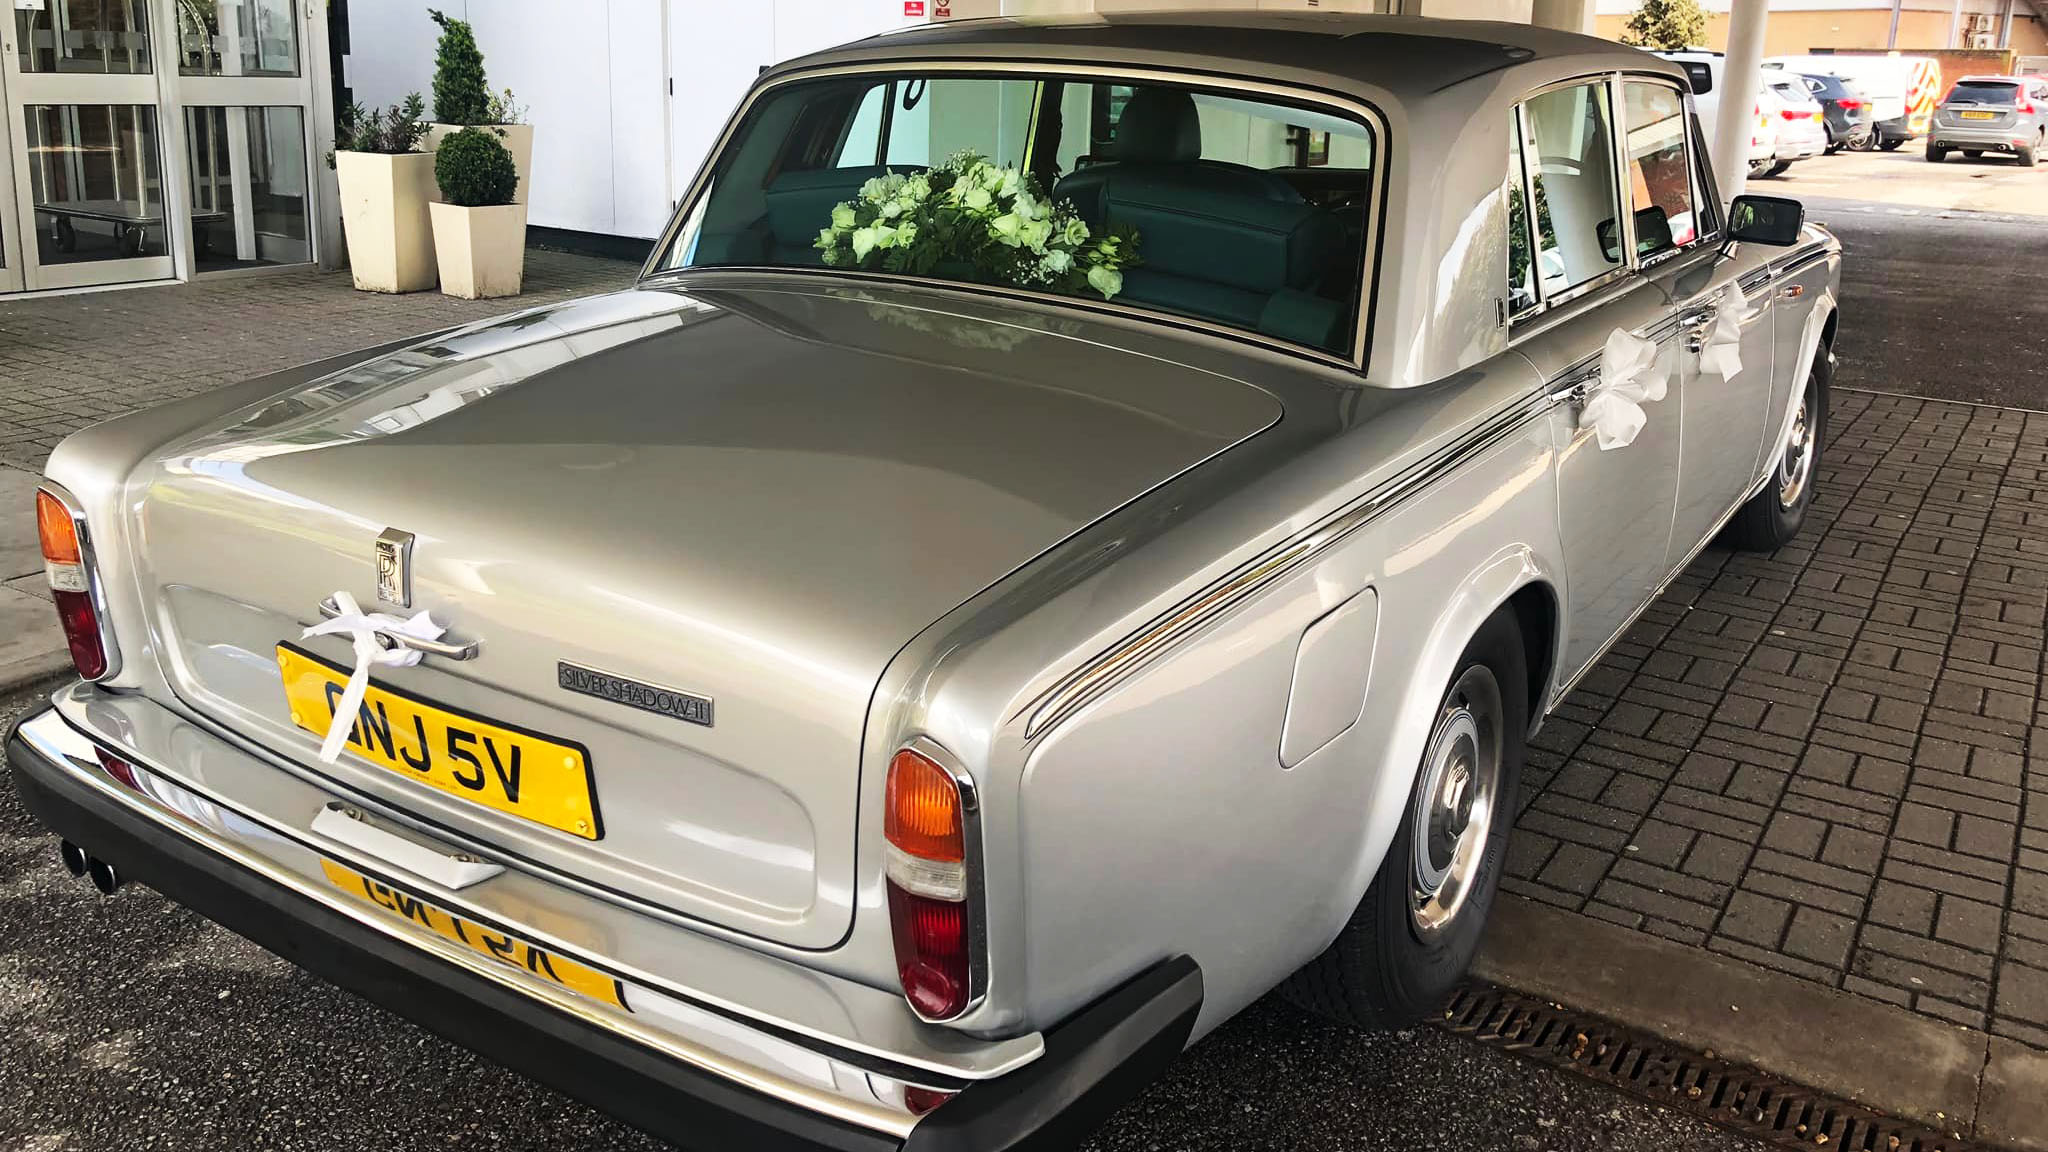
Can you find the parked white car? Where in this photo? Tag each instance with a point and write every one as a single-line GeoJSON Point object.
{"type": "Point", "coordinates": [1704, 71]}
{"type": "Point", "coordinates": [1799, 120]}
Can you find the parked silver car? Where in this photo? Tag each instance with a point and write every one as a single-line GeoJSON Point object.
{"type": "Point", "coordinates": [1071, 530]}
{"type": "Point", "coordinates": [1982, 114]}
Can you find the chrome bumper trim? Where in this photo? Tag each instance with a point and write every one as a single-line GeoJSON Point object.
{"type": "Point", "coordinates": [855, 1087]}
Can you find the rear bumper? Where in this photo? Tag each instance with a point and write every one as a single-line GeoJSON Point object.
{"type": "Point", "coordinates": [1993, 139]}
{"type": "Point", "coordinates": [696, 1074]}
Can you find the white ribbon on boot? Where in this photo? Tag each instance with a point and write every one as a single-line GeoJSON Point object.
{"type": "Point", "coordinates": [1721, 352]}
{"type": "Point", "coordinates": [362, 629]}
{"type": "Point", "coordinates": [1629, 379]}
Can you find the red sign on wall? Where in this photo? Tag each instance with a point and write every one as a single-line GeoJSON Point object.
{"type": "Point", "coordinates": [913, 7]}
{"type": "Point", "coordinates": [942, 11]}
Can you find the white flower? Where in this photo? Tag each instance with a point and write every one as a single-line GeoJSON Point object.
{"type": "Point", "coordinates": [1036, 233]}
{"type": "Point", "coordinates": [827, 238]}
{"type": "Point", "coordinates": [905, 233]}
{"type": "Point", "coordinates": [1012, 182]}
{"type": "Point", "coordinates": [890, 209]}
{"type": "Point", "coordinates": [977, 199]}
{"type": "Point", "coordinates": [864, 243]}
{"type": "Point", "coordinates": [842, 217]}
{"type": "Point", "coordinates": [885, 236]}
{"type": "Point", "coordinates": [1075, 232]}
{"type": "Point", "coordinates": [1107, 281]}
{"type": "Point", "coordinates": [1056, 262]}
{"type": "Point", "coordinates": [992, 177]}
{"type": "Point", "coordinates": [1008, 228]}
{"type": "Point", "coordinates": [917, 189]}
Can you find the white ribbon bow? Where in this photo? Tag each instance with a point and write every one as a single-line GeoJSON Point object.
{"type": "Point", "coordinates": [1721, 352]}
{"type": "Point", "coordinates": [1629, 378]}
{"type": "Point", "coordinates": [362, 629]}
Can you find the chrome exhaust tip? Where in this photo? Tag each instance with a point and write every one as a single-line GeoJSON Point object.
{"type": "Point", "coordinates": [103, 876]}
{"type": "Point", "coordinates": [73, 856]}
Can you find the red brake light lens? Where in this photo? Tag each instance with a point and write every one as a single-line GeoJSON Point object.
{"type": "Point", "coordinates": [70, 584]}
{"type": "Point", "coordinates": [926, 865]}
{"type": "Point", "coordinates": [1849, 104]}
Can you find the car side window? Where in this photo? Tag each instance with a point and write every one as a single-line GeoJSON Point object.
{"type": "Point", "coordinates": [1659, 172]}
{"type": "Point", "coordinates": [1569, 133]}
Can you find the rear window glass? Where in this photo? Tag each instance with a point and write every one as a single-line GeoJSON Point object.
{"type": "Point", "coordinates": [1983, 92]}
{"type": "Point", "coordinates": [1239, 211]}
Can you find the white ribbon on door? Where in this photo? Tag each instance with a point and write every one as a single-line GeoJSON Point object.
{"type": "Point", "coordinates": [362, 628]}
{"type": "Point", "coordinates": [1721, 351]}
{"type": "Point", "coordinates": [1629, 379]}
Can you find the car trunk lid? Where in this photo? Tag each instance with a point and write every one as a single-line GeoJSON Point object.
{"type": "Point", "coordinates": [751, 499]}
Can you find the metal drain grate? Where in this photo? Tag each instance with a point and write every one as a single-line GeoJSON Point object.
{"type": "Point", "coordinates": [1726, 1094]}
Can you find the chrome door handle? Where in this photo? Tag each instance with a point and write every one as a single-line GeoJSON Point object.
{"type": "Point", "coordinates": [389, 640]}
{"type": "Point", "coordinates": [1698, 317]}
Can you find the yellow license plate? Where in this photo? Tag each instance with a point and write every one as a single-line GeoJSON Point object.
{"type": "Point", "coordinates": [1979, 115]}
{"type": "Point", "coordinates": [508, 769]}
{"type": "Point", "coordinates": [507, 950]}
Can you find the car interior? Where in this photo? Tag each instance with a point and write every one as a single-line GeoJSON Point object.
{"type": "Point", "coordinates": [1249, 214]}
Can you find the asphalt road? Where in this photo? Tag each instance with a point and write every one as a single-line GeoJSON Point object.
{"type": "Point", "coordinates": [129, 1023]}
{"type": "Point", "coordinates": [1941, 303]}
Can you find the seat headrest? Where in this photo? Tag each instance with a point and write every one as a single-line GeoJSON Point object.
{"type": "Point", "coordinates": [1159, 126]}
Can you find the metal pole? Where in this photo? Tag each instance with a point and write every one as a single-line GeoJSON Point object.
{"type": "Point", "coordinates": [1741, 78]}
{"type": "Point", "coordinates": [1955, 25]}
{"type": "Point", "coordinates": [1891, 39]}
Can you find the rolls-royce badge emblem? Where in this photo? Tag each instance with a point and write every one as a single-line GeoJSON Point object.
{"type": "Point", "coordinates": [394, 567]}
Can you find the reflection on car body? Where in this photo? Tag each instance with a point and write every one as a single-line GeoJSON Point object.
{"type": "Point", "coordinates": [1131, 486]}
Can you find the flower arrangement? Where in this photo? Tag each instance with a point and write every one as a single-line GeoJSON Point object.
{"type": "Point", "coordinates": [995, 221]}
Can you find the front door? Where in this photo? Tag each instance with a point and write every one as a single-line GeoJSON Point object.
{"type": "Point", "coordinates": [1721, 392]}
{"type": "Point", "coordinates": [87, 180]}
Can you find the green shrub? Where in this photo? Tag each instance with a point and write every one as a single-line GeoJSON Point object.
{"type": "Point", "coordinates": [460, 96]}
{"type": "Point", "coordinates": [475, 170]}
{"type": "Point", "coordinates": [388, 130]}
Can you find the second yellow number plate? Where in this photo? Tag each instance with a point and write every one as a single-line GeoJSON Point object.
{"type": "Point", "coordinates": [508, 769]}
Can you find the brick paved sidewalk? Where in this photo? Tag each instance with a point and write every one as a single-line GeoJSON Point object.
{"type": "Point", "coordinates": [68, 361]}
{"type": "Point", "coordinates": [1833, 761]}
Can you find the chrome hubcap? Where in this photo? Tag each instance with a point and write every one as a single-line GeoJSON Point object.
{"type": "Point", "coordinates": [1795, 464]}
{"type": "Point", "coordinates": [1456, 802]}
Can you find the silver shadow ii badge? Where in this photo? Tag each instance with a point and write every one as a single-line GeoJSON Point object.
{"type": "Point", "coordinates": [394, 567]}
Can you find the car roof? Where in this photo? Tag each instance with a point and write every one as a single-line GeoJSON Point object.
{"type": "Point", "coordinates": [1409, 56]}
{"type": "Point", "coordinates": [1986, 79]}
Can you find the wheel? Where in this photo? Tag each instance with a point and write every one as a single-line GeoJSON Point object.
{"type": "Point", "coordinates": [2026, 155]}
{"type": "Point", "coordinates": [1778, 169]}
{"type": "Point", "coordinates": [1415, 932]}
{"type": "Point", "coordinates": [1759, 169]}
{"type": "Point", "coordinates": [1891, 145]}
{"type": "Point", "coordinates": [1773, 516]}
{"type": "Point", "coordinates": [1936, 155]}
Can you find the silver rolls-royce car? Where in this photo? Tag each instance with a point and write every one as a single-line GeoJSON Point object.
{"type": "Point", "coordinates": [1070, 532]}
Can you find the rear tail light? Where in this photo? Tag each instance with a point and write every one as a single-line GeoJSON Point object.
{"type": "Point", "coordinates": [927, 876]}
{"type": "Point", "coordinates": [923, 1100]}
{"type": "Point", "coordinates": [1849, 105]}
{"type": "Point", "coordinates": [60, 529]}
{"type": "Point", "coordinates": [118, 768]}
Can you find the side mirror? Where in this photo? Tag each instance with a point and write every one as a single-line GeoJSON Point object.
{"type": "Point", "coordinates": [1773, 220]}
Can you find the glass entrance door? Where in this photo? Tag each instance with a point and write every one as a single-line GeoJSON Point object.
{"type": "Point", "coordinates": [82, 116]}
{"type": "Point", "coordinates": [10, 230]}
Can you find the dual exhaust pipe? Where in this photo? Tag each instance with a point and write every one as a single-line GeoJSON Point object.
{"type": "Point", "coordinates": [101, 873]}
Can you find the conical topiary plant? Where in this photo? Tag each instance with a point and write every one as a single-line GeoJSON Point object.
{"type": "Point", "coordinates": [460, 95]}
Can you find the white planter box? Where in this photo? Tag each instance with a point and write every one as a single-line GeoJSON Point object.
{"type": "Point", "coordinates": [481, 251]}
{"type": "Point", "coordinates": [384, 213]}
{"type": "Point", "coordinates": [517, 139]}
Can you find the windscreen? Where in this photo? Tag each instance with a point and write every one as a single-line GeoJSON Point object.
{"type": "Point", "coordinates": [1230, 209]}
